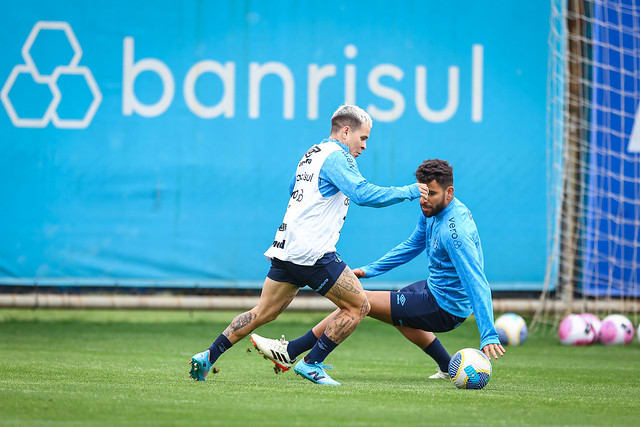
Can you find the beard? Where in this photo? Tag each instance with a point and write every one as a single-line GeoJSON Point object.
{"type": "Point", "coordinates": [435, 210]}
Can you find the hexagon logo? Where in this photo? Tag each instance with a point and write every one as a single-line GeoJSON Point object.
{"type": "Point", "coordinates": [51, 79]}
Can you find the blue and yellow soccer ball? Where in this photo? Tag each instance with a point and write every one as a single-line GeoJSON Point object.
{"type": "Point", "coordinates": [511, 329]}
{"type": "Point", "coordinates": [470, 368]}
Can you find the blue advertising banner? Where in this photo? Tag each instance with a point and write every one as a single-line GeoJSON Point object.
{"type": "Point", "coordinates": [155, 144]}
{"type": "Point", "coordinates": [612, 249]}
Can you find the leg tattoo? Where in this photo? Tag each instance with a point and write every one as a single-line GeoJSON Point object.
{"type": "Point", "coordinates": [347, 282]}
{"type": "Point", "coordinates": [341, 326]}
{"type": "Point", "coordinates": [240, 322]}
{"type": "Point", "coordinates": [354, 305]}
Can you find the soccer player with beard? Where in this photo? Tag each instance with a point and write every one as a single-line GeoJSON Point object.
{"type": "Point", "coordinates": [455, 288]}
{"type": "Point", "coordinates": [303, 252]}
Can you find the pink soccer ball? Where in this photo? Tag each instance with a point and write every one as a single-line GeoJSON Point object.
{"type": "Point", "coordinates": [574, 330]}
{"type": "Point", "coordinates": [616, 329]}
{"type": "Point", "coordinates": [595, 323]}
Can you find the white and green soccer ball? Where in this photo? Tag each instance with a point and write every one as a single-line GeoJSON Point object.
{"type": "Point", "coordinates": [470, 368]}
{"type": "Point", "coordinates": [511, 329]}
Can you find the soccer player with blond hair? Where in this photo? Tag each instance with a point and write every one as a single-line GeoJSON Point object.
{"type": "Point", "coordinates": [303, 252]}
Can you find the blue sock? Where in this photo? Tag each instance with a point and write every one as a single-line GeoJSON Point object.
{"type": "Point", "coordinates": [320, 350]}
{"type": "Point", "coordinates": [302, 344]}
{"type": "Point", "coordinates": [437, 351]}
{"type": "Point", "coordinates": [219, 346]}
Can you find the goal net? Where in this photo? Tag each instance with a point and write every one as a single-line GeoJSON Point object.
{"type": "Point", "coordinates": [593, 159]}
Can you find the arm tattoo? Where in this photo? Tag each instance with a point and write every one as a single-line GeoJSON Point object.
{"type": "Point", "coordinates": [239, 322]}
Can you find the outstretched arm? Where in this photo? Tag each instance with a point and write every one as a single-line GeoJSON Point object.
{"type": "Point", "coordinates": [341, 170]}
{"type": "Point", "coordinates": [402, 253]}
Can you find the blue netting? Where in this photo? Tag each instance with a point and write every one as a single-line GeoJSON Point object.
{"type": "Point", "coordinates": [612, 231]}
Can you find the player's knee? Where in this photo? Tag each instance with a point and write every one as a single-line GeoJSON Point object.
{"type": "Point", "coordinates": [359, 308]}
{"type": "Point", "coordinates": [365, 308]}
{"type": "Point", "coordinates": [265, 315]}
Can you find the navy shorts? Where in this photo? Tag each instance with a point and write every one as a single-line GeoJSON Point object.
{"type": "Point", "coordinates": [414, 306]}
{"type": "Point", "coordinates": [320, 277]}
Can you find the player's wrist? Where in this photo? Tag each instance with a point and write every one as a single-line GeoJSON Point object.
{"type": "Point", "coordinates": [414, 190]}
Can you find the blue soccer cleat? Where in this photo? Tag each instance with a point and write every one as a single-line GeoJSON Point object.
{"type": "Point", "coordinates": [314, 372]}
{"type": "Point", "coordinates": [200, 366]}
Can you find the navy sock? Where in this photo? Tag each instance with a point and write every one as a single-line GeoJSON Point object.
{"type": "Point", "coordinates": [302, 344]}
{"type": "Point", "coordinates": [437, 351]}
{"type": "Point", "coordinates": [219, 346]}
{"type": "Point", "coordinates": [320, 350]}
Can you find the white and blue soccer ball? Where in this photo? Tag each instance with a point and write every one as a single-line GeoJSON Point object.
{"type": "Point", "coordinates": [470, 368]}
{"type": "Point", "coordinates": [511, 329]}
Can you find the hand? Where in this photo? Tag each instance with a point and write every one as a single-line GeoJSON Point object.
{"type": "Point", "coordinates": [424, 190]}
{"type": "Point", "coordinates": [490, 349]}
{"type": "Point", "coordinates": [359, 273]}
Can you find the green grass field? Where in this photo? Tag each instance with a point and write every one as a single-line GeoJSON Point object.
{"type": "Point", "coordinates": [130, 368]}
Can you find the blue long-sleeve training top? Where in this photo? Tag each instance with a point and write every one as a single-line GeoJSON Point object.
{"type": "Point", "coordinates": [456, 265]}
{"type": "Point", "coordinates": [340, 172]}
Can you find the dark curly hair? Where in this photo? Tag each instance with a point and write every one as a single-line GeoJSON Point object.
{"type": "Point", "coordinates": [436, 169]}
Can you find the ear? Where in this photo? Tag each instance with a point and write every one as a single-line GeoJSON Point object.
{"type": "Point", "coordinates": [450, 193]}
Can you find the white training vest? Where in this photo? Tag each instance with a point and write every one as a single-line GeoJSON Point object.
{"type": "Point", "coordinates": [312, 223]}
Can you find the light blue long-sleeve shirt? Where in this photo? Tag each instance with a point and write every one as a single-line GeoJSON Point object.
{"type": "Point", "coordinates": [340, 172]}
{"type": "Point", "coordinates": [456, 265]}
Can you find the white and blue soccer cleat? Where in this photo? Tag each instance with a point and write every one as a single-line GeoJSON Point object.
{"type": "Point", "coordinates": [274, 350]}
{"type": "Point", "coordinates": [314, 372]}
{"type": "Point", "coordinates": [440, 375]}
{"type": "Point", "coordinates": [200, 366]}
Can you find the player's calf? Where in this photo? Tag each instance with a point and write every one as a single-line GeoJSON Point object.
{"type": "Point", "coordinates": [348, 295]}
